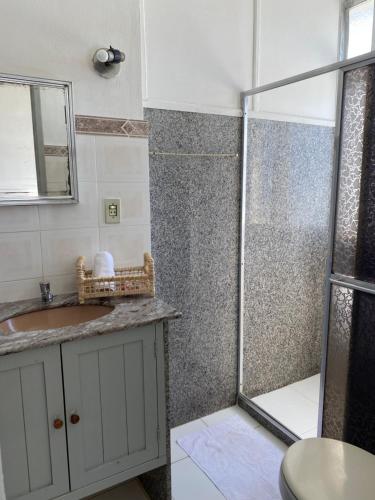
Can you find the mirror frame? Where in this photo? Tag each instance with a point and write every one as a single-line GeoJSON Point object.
{"type": "Point", "coordinates": [70, 125]}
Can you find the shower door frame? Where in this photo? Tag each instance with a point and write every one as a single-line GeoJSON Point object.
{"type": "Point", "coordinates": [341, 67]}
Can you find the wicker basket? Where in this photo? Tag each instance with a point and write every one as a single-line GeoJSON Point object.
{"type": "Point", "coordinates": [127, 281]}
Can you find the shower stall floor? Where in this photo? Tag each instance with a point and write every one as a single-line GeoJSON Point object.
{"type": "Point", "coordinates": [295, 406]}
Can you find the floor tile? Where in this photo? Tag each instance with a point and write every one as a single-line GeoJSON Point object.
{"type": "Point", "coordinates": [309, 387]}
{"type": "Point", "coordinates": [312, 433]}
{"type": "Point", "coordinates": [221, 415]}
{"type": "Point", "coordinates": [177, 453]}
{"type": "Point", "coordinates": [131, 490]}
{"type": "Point", "coordinates": [290, 408]}
{"type": "Point", "coordinates": [190, 483]}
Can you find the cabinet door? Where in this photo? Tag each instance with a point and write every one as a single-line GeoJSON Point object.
{"type": "Point", "coordinates": [111, 403]}
{"type": "Point", "coordinates": [33, 452]}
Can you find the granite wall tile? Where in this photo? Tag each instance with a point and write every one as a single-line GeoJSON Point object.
{"type": "Point", "coordinates": [195, 231]}
{"type": "Point", "coordinates": [288, 199]}
{"type": "Point", "coordinates": [173, 131]}
{"type": "Point", "coordinates": [195, 236]}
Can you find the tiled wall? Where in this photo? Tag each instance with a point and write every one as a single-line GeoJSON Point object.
{"type": "Point", "coordinates": [195, 231]}
{"type": "Point", "coordinates": [286, 246]}
{"type": "Point", "coordinates": [44, 242]}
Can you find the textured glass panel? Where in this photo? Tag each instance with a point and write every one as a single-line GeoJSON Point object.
{"type": "Point", "coordinates": [351, 155]}
{"type": "Point", "coordinates": [360, 407]}
{"type": "Point", "coordinates": [340, 329]}
{"type": "Point", "coordinates": [349, 405]}
{"type": "Point", "coordinates": [354, 251]}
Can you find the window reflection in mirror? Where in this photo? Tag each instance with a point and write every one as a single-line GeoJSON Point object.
{"type": "Point", "coordinates": [34, 142]}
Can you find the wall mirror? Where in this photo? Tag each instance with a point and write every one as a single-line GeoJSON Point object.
{"type": "Point", "coordinates": [37, 147]}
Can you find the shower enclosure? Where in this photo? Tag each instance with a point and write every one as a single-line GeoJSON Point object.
{"type": "Point", "coordinates": [298, 135]}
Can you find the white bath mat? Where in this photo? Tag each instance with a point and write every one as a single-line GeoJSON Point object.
{"type": "Point", "coordinates": [238, 459]}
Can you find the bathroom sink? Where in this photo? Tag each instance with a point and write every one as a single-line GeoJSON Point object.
{"type": "Point", "coordinates": [53, 318]}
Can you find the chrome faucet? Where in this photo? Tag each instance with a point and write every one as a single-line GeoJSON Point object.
{"type": "Point", "coordinates": [45, 291]}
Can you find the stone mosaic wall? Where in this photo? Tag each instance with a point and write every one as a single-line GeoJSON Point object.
{"type": "Point", "coordinates": [195, 237]}
{"type": "Point", "coordinates": [288, 199]}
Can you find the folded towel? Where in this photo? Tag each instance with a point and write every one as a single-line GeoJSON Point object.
{"type": "Point", "coordinates": [104, 267]}
{"type": "Point", "coordinates": [103, 264]}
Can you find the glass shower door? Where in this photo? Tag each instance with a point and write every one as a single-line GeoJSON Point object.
{"type": "Point", "coordinates": [290, 133]}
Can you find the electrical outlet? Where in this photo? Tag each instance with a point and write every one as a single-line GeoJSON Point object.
{"type": "Point", "coordinates": [112, 211]}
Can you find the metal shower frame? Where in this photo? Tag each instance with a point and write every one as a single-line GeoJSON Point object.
{"type": "Point", "coordinates": [330, 279]}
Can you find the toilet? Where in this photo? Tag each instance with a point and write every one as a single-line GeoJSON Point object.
{"type": "Point", "coordinates": [326, 469]}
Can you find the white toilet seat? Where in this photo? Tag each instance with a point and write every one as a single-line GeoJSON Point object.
{"type": "Point", "coordinates": [325, 469]}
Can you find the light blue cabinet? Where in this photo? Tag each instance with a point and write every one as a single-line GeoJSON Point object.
{"type": "Point", "coordinates": [111, 387]}
{"type": "Point", "coordinates": [31, 402]}
{"type": "Point", "coordinates": [110, 416]}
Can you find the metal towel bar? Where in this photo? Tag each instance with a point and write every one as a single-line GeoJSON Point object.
{"type": "Point", "coordinates": [209, 155]}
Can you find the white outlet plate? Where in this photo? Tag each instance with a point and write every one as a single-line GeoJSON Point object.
{"type": "Point", "coordinates": [112, 211]}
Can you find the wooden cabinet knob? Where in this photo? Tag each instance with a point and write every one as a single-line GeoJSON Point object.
{"type": "Point", "coordinates": [74, 419]}
{"type": "Point", "coordinates": [58, 423]}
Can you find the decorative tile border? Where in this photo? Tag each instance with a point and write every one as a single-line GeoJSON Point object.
{"type": "Point", "coordinates": [98, 125]}
{"type": "Point", "coordinates": [50, 150]}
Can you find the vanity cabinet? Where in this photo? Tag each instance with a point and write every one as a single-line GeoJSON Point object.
{"type": "Point", "coordinates": [96, 404]}
{"type": "Point", "coordinates": [32, 432]}
{"type": "Point", "coordinates": [111, 402]}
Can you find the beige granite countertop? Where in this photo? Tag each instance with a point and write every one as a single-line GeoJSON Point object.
{"type": "Point", "coordinates": [127, 313]}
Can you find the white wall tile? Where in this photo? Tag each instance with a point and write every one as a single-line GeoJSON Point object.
{"type": "Point", "coordinates": [13, 219]}
{"type": "Point", "coordinates": [86, 157]}
{"type": "Point", "coordinates": [135, 201]}
{"type": "Point", "coordinates": [60, 249]}
{"type": "Point", "coordinates": [65, 283]}
{"type": "Point", "coordinates": [126, 243]}
{"type": "Point", "coordinates": [20, 256]}
{"type": "Point", "coordinates": [19, 290]}
{"type": "Point", "coordinates": [64, 230]}
{"type": "Point", "coordinates": [45, 241]}
{"type": "Point", "coordinates": [122, 159]}
{"type": "Point", "coordinates": [82, 214]}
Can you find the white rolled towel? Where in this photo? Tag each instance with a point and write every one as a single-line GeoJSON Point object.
{"type": "Point", "coordinates": [104, 267]}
